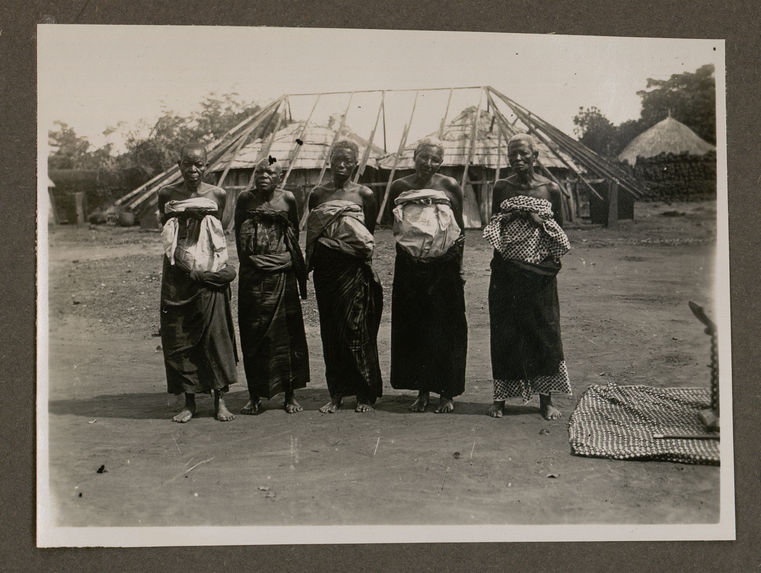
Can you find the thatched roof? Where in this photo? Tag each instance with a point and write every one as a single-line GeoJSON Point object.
{"type": "Point", "coordinates": [316, 143]}
{"type": "Point", "coordinates": [456, 137]}
{"type": "Point", "coordinates": [666, 136]}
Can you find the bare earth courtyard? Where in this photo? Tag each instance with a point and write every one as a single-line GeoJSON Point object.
{"type": "Point", "coordinates": [625, 319]}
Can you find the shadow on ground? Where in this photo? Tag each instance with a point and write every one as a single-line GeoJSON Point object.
{"type": "Point", "coordinates": [155, 406]}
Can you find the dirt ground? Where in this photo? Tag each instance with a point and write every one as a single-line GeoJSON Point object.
{"type": "Point", "coordinates": [625, 319]}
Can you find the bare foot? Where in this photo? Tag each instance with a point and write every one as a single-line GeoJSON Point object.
{"type": "Point", "coordinates": [446, 405]}
{"type": "Point", "coordinates": [221, 412]}
{"type": "Point", "coordinates": [497, 409]}
{"type": "Point", "coordinates": [252, 408]}
{"type": "Point", "coordinates": [331, 407]}
{"type": "Point", "coordinates": [184, 415]}
{"type": "Point", "coordinates": [188, 410]}
{"type": "Point", "coordinates": [363, 407]}
{"type": "Point", "coordinates": [548, 411]}
{"type": "Point", "coordinates": [292, 406]}
{"type": "Point", "coordinates": [421, 402]}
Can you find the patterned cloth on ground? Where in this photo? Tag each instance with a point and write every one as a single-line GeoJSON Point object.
{"type": "Point", "coordinates": [204, 247]}
{"type": "Point", "coordinates": [558, 383]}
{"type": "Point", "coordinates": [515, 237]}
{"type": "Point", "coordinates": [619, 422]}
{"type": "Point", "coordinates": [424, 224]}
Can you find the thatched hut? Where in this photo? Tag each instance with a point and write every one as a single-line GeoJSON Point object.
{"type": "Point", "coordinates": [674, 162]}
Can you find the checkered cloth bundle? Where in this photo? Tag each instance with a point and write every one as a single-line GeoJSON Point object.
{"type": "Point", "coordinates": [515, 237]}
{"type": "Point", "coordinates": [620, 422]}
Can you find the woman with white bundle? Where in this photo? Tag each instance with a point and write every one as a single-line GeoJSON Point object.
{"type": "Point", "coordinates": [429, 331]}
{"type": "Point", "coordinates": [197, 333]}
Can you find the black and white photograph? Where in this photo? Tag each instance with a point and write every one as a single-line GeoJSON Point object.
{"type": "Point", "coordinates": [321, 285]}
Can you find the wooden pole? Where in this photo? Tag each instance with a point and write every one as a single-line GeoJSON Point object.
{"type": "Point", "coordinates": [579, 151]}
{"type": "Point", "coordinates": [80, 201]}
{"type": "Point", "coordinates": [385, 148]}
{"type": "Point", "coordinates": [612, 204]}
{"type": "Point", "coordinates": [326, 161]}
{"type": "Point", "coordinates": [173, 171]}
{"type": "Point", "coordinates": [366, 154]}
{"type": "Point", "coordinates": [336, 136]}
{"type": "Point", "coordinates": [544, 140]}
{"type": "Point", "coordinates": [297, 147]}
{"type": "Point", "coordinates": [473, 135]}
{"type": "Point", "coordinates": [264, 152]}
{"type": "Point", "coordinates": [56, 219]}
{"type": "Point", "coordinates": [241, 141]}
{"type": "Point", "coordinates": [399, 151]}
{"type": "Point", "coordinates": [446, 113]}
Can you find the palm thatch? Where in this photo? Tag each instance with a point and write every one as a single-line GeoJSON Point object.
{"type": "Point", "coordinates": [666, 136]}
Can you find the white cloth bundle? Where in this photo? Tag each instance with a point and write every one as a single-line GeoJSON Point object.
{"type": "Point", "coordinates": [424, 224]}
{"type": "Point", "coordinates": [205, 252]}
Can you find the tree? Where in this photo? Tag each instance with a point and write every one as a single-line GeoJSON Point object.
{"type": "Point", "coordinates": [68, 150]}
{"type": "Point", "coordinates": [595, 131]}
{"type": "Point", "coordinates": [689, 97]}
{"type": "Point", "coordinates": [160, 148]}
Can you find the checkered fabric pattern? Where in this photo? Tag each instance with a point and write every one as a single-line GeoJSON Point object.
{"type": "Point", "coordinates": [619, 422]}
{"type": "Point", "coordinates": [515, 237]}
{"type": "Point", "coordinates": [553, 384]}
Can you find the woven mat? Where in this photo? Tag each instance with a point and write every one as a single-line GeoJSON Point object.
{"type": "Point", "coordinates": [619, 422]}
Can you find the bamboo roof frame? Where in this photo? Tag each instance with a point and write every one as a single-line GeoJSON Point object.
{"type": "Point", "coordinates": [554, 139]}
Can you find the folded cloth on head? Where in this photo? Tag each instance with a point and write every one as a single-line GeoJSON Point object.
{"type": "Point", "coordinates": [204, 247]}
{"type": "Point", "coordinates": [339, 225]}
{"type": "Point", "coordinates": [424, 224]}
{"type": "Point", "coordinates": [515, 237]}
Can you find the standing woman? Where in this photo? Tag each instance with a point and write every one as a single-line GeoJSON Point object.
{"type": "Point", "coordinates": [429, 331]}
{"type": "Point", "coordinates": [349, 296]}
{"type": "Point", "coordinates": [272, 271]}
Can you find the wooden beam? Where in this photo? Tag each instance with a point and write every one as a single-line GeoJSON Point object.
{"type": "Point", "coordinates": [264, 152]}
{"type": "Point", "coordinates": [336, 136]}
{"type": "Point", "coordinates": [544, 140]}
{"type": "Point", "coordinates": [473, 135]}
{"type": "Point", "coordinates": [241, 142]}
{"type": "Point", "coordinates": [366, 154]}
{"type": "Point", "coordinates": [399, 151]}
{"type": "Point", "coordinates": [297, 146]}
{"type": "Point", "coordinates": [326, 160]}
{"type": "Point", "coordinates": [446, 113]}
{"type": "Point", "coordinates": [612, 205]}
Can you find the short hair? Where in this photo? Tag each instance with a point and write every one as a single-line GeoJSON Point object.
{"type": "Point", "coordinates": [345, 144]}
{"type": "Point", "coordinates": [428, 142]}
{"type": "Point", "coordinates": [190, 146]}
{"type": "Point", "coordinates": [522, 137]}
{"type": "Point", "coordinates": [272, 163]}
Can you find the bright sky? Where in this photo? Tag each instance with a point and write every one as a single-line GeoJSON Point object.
{"type": "Point", "coordinates": [92, 77]}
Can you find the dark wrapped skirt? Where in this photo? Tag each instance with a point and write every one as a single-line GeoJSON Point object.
{"type": "Point", "coordinates": [350, 302]}
{"type": "Point", "coordinates": [272, 334]}
{"type": "Point", "coordinates": [197, 333]}
{"type": "Point", "coordinates": [429, 330]}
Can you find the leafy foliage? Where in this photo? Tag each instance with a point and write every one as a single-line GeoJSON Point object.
{"type": "Point", "coordinates": [689, 97]}
{"type": "Point", "coordinates": [595, 131]}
